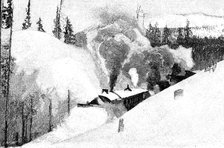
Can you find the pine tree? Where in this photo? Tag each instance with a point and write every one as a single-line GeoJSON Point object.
{"type": "Point", "coordinates": [187, 32]}
{"type": "Point", "coordinates": [149, 32]}
{"type": "Point", "coordinates": [157, 35]}
{"type": "Point", "coordinates": [166, 35]}
{"type": "Point", "coordinates": [68, 33]}
{"type": "Point", "coordinates": [40, 26]}
{"type": "Point", "coordinates": [180, 37]}
{"type": "Point", "coordinates": [27, 21]}
{"type": "Point", "coordinates": [7, 15]}
{"type": "Point", "coordinates": [154, 35]}
{"type": "Point", "coordinates": [57, 29]}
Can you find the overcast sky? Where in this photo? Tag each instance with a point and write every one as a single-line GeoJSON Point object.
{"type": "Point", "coordinates": [80, 11]}
{"type": "Point", "coordinates": [187, 6]}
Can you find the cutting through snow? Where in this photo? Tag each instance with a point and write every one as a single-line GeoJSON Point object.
{"type": "Point", "coordinates": [100, 73]}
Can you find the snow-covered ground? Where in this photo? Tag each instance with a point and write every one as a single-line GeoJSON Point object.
{"type": "Point", "coordinates": [193, 120]}
{"type": "Point", "coordinates": [81, 120]}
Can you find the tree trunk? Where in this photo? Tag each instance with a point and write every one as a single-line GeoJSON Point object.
{"type": "Point", "coordinates": [1, 49]}
{"type": "Point", "coordinates": [17, 139]}
{"type": "Point", "coordinates": [69, 102]}
{"type": "Point", "coordinates": [8, 85]}
{"type": "Point", "coordinates": [25, 129]}
{"type": "Point", "coordinates": [5, 132]}
{"type": "Point", "coordinates": [31, 117]}
{"type": "Point", "coordinates": [23, 124]}
{"type": "Point", "coordinates": [50, 116]}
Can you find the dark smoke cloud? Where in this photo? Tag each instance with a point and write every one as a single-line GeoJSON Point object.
{"type": "Point", "coordinates": [115, 53]}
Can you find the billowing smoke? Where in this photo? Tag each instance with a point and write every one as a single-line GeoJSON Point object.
{"type": "Point", "coordinates": [134, 76]}
{"type": "Point", "coordinates": [115, 71]}
{"type": "Point", "coordinates": [114, 53]}
{"type": "Point", "coordinates": [125, 49]}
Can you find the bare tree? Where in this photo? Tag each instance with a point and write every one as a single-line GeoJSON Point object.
{"type": "Point", "coordinates": [69, 102]}
{"type": "Point", "coordinates": [138, 11]}
{"type": "Point", "coordinates": [50, 116]}
{"type": "Point", "coordinates": [140, 16]}
{"type": "Point", "coordinates": [23, 122]}
{"type": "Point", "coordinates": [31, 116]}
{"type": "Point", "coordinates": [49, 109]}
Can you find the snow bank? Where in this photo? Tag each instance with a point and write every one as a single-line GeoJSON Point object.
{"type": "Point", "coordinates": [80, 121]}
{"type": "Point", "coordinates": [60, 67]}
{"type": "Point", "coordinates": [194, 120]}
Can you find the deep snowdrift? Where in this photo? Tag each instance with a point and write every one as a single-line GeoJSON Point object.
{"type": "Point", "coordinates": [193, 120]}
{"type": "Point", "coordinates": [81, 120]}
{"type": "Point", "coordinates": [60, 67]}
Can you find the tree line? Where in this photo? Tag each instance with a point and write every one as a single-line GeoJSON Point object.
{"type": "Point", "coordinates": [206, 51]}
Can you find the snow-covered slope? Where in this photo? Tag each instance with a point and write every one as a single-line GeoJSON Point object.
{"type": "Point", "coordinates": [60, 67]}
{"type": "Point", "coordinates": [203, 24]}
{"type": "Point", "coordinates": [193, 120]}
{"type": "Point", "coordinates": [179, 20]}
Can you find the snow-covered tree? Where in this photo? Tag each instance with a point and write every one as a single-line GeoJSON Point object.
{"type": "Point", "coordinates": [7, 14]}
{"type": "Point", "coordinates": [27, 21]}
{"type": "Point", "coordinates": [166, 35]}
{"type": "Point", "coordinates": [68, 33]}
{"type": "Point", "coordinates": [57, 25]}
{"type": "Point", "coordinates": [40, 26]}
{"type": "Point", "coordinates": [180, 37]}
{"type": "Point", "coordinates": [154, 35]}
{"type": "Point", "coordinates": [187, 32]}
{"type": "Point", "coordinates": [157, 34]}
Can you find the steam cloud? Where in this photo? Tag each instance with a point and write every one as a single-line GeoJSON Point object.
{"type": "Point", "coordinates": [134, 76]}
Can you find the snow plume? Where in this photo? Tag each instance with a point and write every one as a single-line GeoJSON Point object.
{"type": "Point", "coordinates": [183, 56]}
{"type": "Point", "coordinates": [114, 14]}
{"type": "Point", "coordinates": [59, 66]}
{"type": "Point", "coordinates": [134, 76]}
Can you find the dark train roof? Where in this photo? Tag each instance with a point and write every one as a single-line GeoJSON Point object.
{"type": "Point", "coordinates": [118, 95]}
